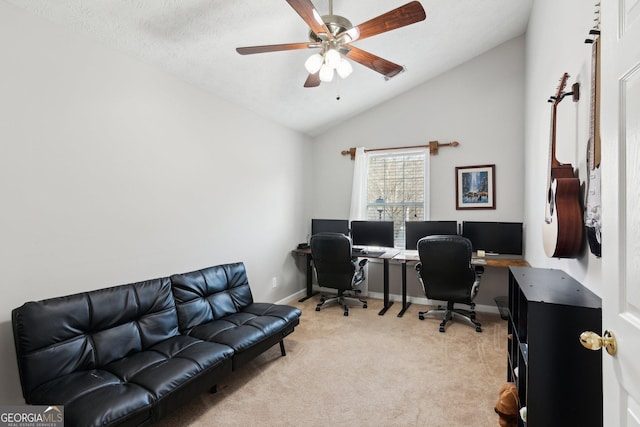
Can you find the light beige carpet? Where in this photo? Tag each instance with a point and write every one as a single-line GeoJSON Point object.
{"type": "Point", "coordinates": [363, 370]}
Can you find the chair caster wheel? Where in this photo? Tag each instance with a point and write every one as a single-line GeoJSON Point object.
{"type": "Point", "coordinates": [364, 306]}
{"type": "Point", "coordinates": [478, 328]}
{"type": "Point", "coordinates": [421, 317]}
{"type": "Point", "coordinates": [317, 308]}
{"type": "Point", "coordinates": [441, 329]}
{"type": "Point", "coordinates": [346, 313]}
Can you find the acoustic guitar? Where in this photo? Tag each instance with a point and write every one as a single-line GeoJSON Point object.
{"type": "Point", "coordinates": [593, 208]}
{"type": "Point", "coordinates": [563, 227]}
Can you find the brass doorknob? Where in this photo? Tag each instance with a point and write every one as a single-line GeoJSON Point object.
{"type": "Point", "coordinates": [593, 341]}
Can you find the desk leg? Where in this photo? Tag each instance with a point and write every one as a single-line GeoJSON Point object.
{"type": "Point", "coordinates": [387, 303]}
{"type": "Point", "coordinates": [405, 304]}
{"type": "Point", "coordinates": [310, 292]}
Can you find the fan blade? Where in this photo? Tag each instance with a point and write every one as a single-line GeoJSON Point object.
{"type": "Point", "coordinates": [405, 15]}
{"type": "Point", "coordinates": [310, 15]}
{"type": "Point", "coordinates": [313, 80]}
{"type": "Point", "coordinates": [382, 66]}
{"type": "Point", "coordinates": [272, 48]}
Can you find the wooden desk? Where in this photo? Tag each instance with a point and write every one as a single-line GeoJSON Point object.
{"type": "Point", "coordinates": [490, 261]}
{"type": "Point", "coordinates": [385, 257]}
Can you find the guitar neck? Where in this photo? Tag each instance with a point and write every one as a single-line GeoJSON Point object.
{"type": "Point", "coordinates": [595, 103]}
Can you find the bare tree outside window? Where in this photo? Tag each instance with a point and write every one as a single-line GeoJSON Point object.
{"type": "Point", "coordinates": [396, 190]}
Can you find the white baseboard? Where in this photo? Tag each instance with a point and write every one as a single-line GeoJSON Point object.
{"type": "Point", "coordinates": [293, 297]}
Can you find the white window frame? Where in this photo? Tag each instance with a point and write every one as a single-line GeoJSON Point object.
{"type": "Point", "coordinates": [399, 234]}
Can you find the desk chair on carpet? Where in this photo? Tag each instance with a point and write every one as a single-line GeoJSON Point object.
{"type": "Point", "coordinates": [337, 269]}
{"type": "Point", "coordinates": [446, 274]}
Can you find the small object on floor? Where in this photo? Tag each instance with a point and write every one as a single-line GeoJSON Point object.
{"type": "Point", "coordinates": [507, 405]}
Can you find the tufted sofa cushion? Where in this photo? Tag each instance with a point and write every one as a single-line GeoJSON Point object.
{"type": "Point", "coordinates": [114, 356]}
{"type": "Point", "coordinates": [216, 304]}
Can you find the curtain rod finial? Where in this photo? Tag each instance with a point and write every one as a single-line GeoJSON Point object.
{"type": "Point", "coordinates": [435, 145]}
{"type": "Point", "coordinates": [351, 151]}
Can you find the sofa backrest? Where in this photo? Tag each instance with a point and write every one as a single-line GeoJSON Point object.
{"type": "Point", "coordinates": [211, 293]}
{"type": "Point", "coordinates": [58, 336]}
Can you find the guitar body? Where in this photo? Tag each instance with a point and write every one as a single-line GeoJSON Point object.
{"type": "Point", "coordinates": [562, 231]}
{"type": "Point", "coordinates": [592, 213]}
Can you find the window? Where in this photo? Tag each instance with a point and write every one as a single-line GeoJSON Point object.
{"type": "Point", "coordinates": [397, 189]}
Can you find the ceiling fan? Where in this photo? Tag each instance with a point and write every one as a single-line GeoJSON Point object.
{"type": "Point", "coordinates": [333, 35]}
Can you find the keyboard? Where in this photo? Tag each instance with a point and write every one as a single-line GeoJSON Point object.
{"type": "Point", "coordinates": [366, 251]}
{"type": "Point", "coordinates": [375, 253]}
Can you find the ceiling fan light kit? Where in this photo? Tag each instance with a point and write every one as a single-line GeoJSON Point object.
{"type": "Point", "coordinates": [326, 63]}
{"type": "Point", "coordinates": [333, 35]}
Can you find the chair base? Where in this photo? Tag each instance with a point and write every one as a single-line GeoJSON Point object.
{"type": "Point", "coordinates": [449, 312]}
{"type": "Point", "coordinates": [341, 299]}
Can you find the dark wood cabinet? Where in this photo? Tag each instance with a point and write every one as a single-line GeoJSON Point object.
{"type": "Point", "coordinates": [558, 381]}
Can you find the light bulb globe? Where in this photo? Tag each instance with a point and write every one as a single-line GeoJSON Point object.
{"type": "Point", "coordinates": [326, 73]}
{"type": "Point", "coordinates": [313, 63]}
{"type": "Point", "coordinates": [344, 68]}
{"type": "Point", "coordinates": [332, 58]}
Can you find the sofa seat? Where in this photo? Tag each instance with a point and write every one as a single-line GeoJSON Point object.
{"type": "Point", "coordinates": [112, 401]}
{"type": "Point", "coordinates": [123, 391]}
{"type": "Point", "coordinates": [167, 367]}
{"type": "Point", "coordinates": [216, 304]}
{"type": "Point", "coordinates": [251, 331]}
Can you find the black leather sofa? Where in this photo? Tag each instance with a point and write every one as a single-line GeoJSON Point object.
{"type": "Point", "coordinates": [127, 355]}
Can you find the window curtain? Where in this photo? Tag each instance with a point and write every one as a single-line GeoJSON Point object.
{"type": "Point", "coordinates": [358, 210]}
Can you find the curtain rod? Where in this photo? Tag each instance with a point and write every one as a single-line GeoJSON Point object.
{"type": "Point", "coordinates": [432, 146]}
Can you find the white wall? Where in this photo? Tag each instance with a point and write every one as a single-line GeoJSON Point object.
{"type": "Point", "coordinates": [555, 44]}
{"type": "Point", "coordinates": [480, 104]}
{"type": "Point", "coordinates": [112, 171]}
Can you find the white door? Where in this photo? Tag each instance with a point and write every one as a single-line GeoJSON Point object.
{"type": "Point", "coordinates": [620, 132]}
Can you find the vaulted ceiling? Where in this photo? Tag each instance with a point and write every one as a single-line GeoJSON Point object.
{"type": "Point", "coordinates": [196, 40]}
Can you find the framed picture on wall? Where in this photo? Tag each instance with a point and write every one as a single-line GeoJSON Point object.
{"type": "Point", "coordinates": [476, 187]}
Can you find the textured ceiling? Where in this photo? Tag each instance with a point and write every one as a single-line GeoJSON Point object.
{"type": "Point", "coordinates": [196, 39]}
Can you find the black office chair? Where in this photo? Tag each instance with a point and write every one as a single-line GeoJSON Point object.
{"type": "Point", "coordinates": [446, 274]}
{"type": "Point", "coordinates": [337, 269]}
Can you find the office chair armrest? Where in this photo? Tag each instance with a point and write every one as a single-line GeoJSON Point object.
{"type": "Point", "coordinates": [418, 269]}
{"type": "Point", "coordinates": [478, 269]}
{"type": "Point", "coordinates": [358, 275]}
{"type": "Point", "coordinates": [475, 288]}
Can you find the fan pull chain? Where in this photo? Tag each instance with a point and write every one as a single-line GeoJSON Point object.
{"type": "Point", "coordinates": [337, 88]}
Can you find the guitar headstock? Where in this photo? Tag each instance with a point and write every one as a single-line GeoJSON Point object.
{"type": "Point", "coordinates": [555, 99]}
{"type": "Point", "coordinates": [594, 33]}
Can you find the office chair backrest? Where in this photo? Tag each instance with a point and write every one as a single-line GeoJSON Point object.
{"type": "Point", "coordinates": [446, 270]}
{"type": "Point", "coordinates": [331, 253]}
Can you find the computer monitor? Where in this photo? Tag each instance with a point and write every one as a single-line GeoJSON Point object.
{"type": "Point", "coordinates": [416, 230]}
{"type": "Point", "coordinates": [494, 237]}
{"type": "Point", "coordinates": [372, 233]}
{"type": "Point", "coordinates": [330, 225]}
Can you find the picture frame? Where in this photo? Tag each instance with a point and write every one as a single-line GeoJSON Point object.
{"type": "Point", "coordinates": [476, 187]}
